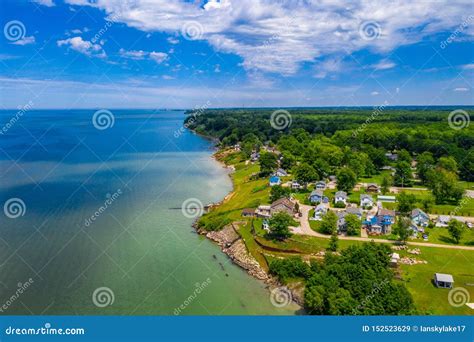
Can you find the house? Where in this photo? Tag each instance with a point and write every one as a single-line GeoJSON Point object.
{"type": "Point", "coordinates": [283, 205]}
{"type": "Point", "coordinates": [236, 147]}
{"type": "Point", "coordinates": [296, 186]}
{"type": "Point", "coordinates": [263, 211]}
{"type": "Point", "coordinates": [380, 223]}
{"type": "Point", "coordinates": [372, 187]}
{"type": "Point", "coordinates": [275, 180]}
{"type": "Point", "coordinates": [394, 258]}
{"type": "Point", "coordinates": [333, 178]}
{"type": "Point", "coordinates": [316, 196]}
{"type": "Point", "coordinates": [366, 201]}
{"type": "Point", "coordinates": [355, 211]}
{"type": "Point", "coordinates": [266, 226]}
{"type": "Point", "coordinates": [281, 173]}
{"type": "Point", "coordinates": [383, 198]}
{"type": "Point", "coordinates": [254, 156]}
{"type": "Point", "coordinates": [442, 221]}
{"type": "Point", "coordinates": [420, 218]}
{"type": "Point", "coordinates": [372, 225]}
{"type": "Point", "coordinates": [341, 221]}
{"type": "Point", "coordinates": [391, 156]}
{"type": "Point", "coordinates": [340, 196]}
{"type": "Point", "coordinates": [320, 185]}
{"type": "Point", "coordinates": [248, 212]}
{"type": "Point", "coordinates": [320, 211]}
{"type": "Point", "coordinates": [442, 280]}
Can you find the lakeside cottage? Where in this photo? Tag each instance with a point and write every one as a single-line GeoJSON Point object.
{"type": "Point", "coordinates": [275, 180]}
{"type": "Point", "coordinates": [366, 201]}
{"type": "Point", "coordinates": [283, 205]}
{"type": "Point", "coordinates": [281, 173]}
{"type": "Point", "coordinates": [248, 212]}
{"type": "Point", "coordinates": [442, 280]}
{"type": "Point", "coordinates": [254, 156]}
{"type": "Point", "coordinates": [442, 221]}
{"type": "Point", "coordinates": [296, 186]}
{"type": "Point", "coordinates": [263, 211]}
{"type": "Point", "coordinates": [316, 196]}
{"type": "Point", "coordinates": [320, 185]}
{"type": "Point", "coordinates": [373, 188]}
{"type": "Point", "coordinates": [340, 196]}
{"type": "Point", "coordinates": [320, 211]}
{"type": "Point", "coordinates": [380, 223]}
{"type": "Point", "coordinates": [419, 218]}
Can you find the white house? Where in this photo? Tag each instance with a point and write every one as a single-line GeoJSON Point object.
{"type": "Point", "coordinates": [340, 196]}
{"type": "Point", "coordinates": [366, 201]}
{"type": "Point", "coordinates": [384, 198]}
{"type": "Point", "coordinates": [319, 212]}
{"type": "Point", "coordinates": [296, 186]}
{"type": "Point", "coordinates": [281, 173]}
{"type": "Point", "coordinates": [320, 185]}
{"type": "Point", "coordinates": [263, 211]}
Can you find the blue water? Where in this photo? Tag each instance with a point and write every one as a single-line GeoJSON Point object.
{"type": "Point", "coordinates": [139, 247]}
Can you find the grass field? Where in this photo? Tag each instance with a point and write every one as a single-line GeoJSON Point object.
{"type": "Point", "coordinates": [428, 299]}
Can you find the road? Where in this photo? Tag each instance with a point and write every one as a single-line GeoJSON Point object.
{"type": "Point", "coordinates": [305, 229]}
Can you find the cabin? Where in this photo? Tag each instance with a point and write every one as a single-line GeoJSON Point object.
{"type": "Point", "coordinates": [275, 180]}
{"type": "Point", "coordinates": [263, 211]}
{"type": "Point", "coordinates": [266, 226]}
{"type": "Point", "coordinates": [366, 201]}
{"type": "Point", "coordinates": [319, 212]}
{"type": "Point", "coordinates": [340, 196]}
{"type": "Point", "coordinates": [296, 186]}
{"type": "Point", "coordinates": [380, 223]}
{"type": "Point", "coordinates": [419, 218]}
{"type": "Point", "coordinates": [442, 221]}
{"type": "Point", "coordinates": [391, 156]}
{"type": "Point", "coordinates": [332, 178]}
{"type": "Point", "coordinates": [394, 258]}
{"type": "Point", "coordinates": [281, 173]}
{"type": "Point", "coordinates": [320, 185]}
{"type": "Point", "coordinates": [372, 188]}
{"type": "Point", "coordinates": [283, 205]}
{"type": "Point", "coordinates": [316, 196]}
{"type": "Point", "coordinates": [444, 281]}
{"type": "Point", "coordinates": [254, 156]}
{"type": "Point", "coordinates": [388, 199]}
{"type": "Point", "coordinates": [248, 212]}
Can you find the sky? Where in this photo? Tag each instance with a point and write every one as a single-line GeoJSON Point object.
{"type": "Point", "coordinates": [235, 53]}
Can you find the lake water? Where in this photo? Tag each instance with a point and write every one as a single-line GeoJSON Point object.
{"type": "Point", "coordinates": [100, 216]}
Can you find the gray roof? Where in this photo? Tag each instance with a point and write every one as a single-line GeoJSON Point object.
{"type": "Point", "coordinates": [417, 211]}
{"type": "Point", "coordinates": [446, 278]}
{"type": "Point", "coordinates": [362, 196]}
{"type": "Point", "coordinates": [341, 194]}
{"type": "Point", "coordinates": [353, 210]}
{"type": "Point", "coordinates": [317, 193]}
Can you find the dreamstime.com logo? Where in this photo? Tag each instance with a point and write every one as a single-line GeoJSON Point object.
{"type": "Point", "coordinates": [103, 297]}
{"type": "Point", "coordinates": [280, 119]}
{"type": "Point", "coordinates": [111, 198]}
{"type": "Point", "coordinates": [199, 288]}
{"type": "Point", "coordinates": [281, 297]}
{"type": "Point", "coordinates": [22, 287]}
{"type": "Point", "coordinates": [103, 119]}
{"type": "Point", "coordinates": [192, 30]}
{"type": "Point", "coordinates": [370, 30]}
{"type": "Point", "coordinates": [14, 30]}
{"type": "Point", "coordinates": [458, 297]}
{"type": "Point", "coordinates": [458, 119]}
{"type": "Point", "coordinates": [14, 208]}
{"type": "Point", "coordinates": [192, 208]}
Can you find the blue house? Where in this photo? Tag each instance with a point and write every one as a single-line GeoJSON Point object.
{"type": "Point", "coordinates": [419, 218]}
{"type": "Point", "coordinates": [275, 180]}
{"type": "Point", "coordinates": [317, 196]}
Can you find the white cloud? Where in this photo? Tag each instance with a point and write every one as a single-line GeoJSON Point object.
{"type": "Point", "coordinates": [384, 65]}
{"type": "Point", "coordinates": [168, 77]}
{"type": "Point", "coordinates": [374, 93]}
{"type": "Point", "coordinates": [83, 46]}
{"type": "Point", "coordinates": [278, 36]}
{"type": "Point", "coordinates": [48, 3]}
{"type": "Point", "coordinates": [217, 68]}
{"type": "Point", "coordinates": [468, 66]}
{"type": "Point", "coordinates": [133, 54]}
{"type": "Point", "coordinates": [172, 40]}
{"type": "Point", "coordinates": [158, 57]}
{"type": "Point", "coordinates": [461, 89]}
{"type": "Point", "coordinates": [25, 41]}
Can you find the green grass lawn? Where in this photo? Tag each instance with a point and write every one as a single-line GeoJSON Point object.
{"type": "Point", "coordinates": [377, 178]}
{"type": "Point", "coordinates": [441, 235]}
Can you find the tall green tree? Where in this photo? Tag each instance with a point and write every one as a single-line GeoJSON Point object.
{"type": "Point", "coordinates": [353, 224]}
{"type": "Point", "coordinates": [403, 176]}
{"type": "Point", "coordinates": [279, 225]}
{"type": "Point", "coordinates": [329, 223]}
{"type": "Point", "coordinates": [444, 186]}
{"type": "Point", "coordinates": [425, 162]}
{"type": "Point", "coordinates": [268, 163]}
{"type": "Point", "coordinates": [305, 173]}
{"type": "Point", "coordinates": [402, 229]}
{"type": "Point", "coordinates": [456, 230]}
{"type": "Point", "coordinates": [406, 203]}
{"type": "Point", "coordinates": [346, 179]}
{"type": "Point", "coordinates": [278, 191]}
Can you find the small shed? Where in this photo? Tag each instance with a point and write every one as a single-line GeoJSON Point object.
{"type": "Point", "coordinates": [394, 258]}
{"type": "Point", "coordinates": [248, 212]}
{"type": "Point", "coordinates": [443, 280]}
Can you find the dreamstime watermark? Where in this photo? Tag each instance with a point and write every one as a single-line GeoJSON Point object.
{"type": "Point", "coordinates": [462, 204]}
{"type": "Point", "coordinates": [192, 30]}
{"type": "Point", "coordinates": [460, 29]}
{"type": "Point", "coordinates": [199, 288]}
{"type": "Point", "coordinates": [281, 297]}
{"type": "Point", "coordinates": [111, 198]}
{"type": "Point", "coordinates": [370, 30]}
{"type": "Point", "coordinates": [103, 296]}
{"type": "Point", "coordinates": [14, 30]}
{"type": "Point", "coordinates": [458, 297]}
{"type": "Point", "coordinates": [13, 120]}
{"type": "Point", "coordinates": [375, 113]}
{"type": "Point", "coordinates": [22, 287]}
{"type": "Point", "coordinates": [46, 330]}
{"type": "Point", "coordinates": [103, 119]}
{"type": "Point", "coordinates": [192, 208]}
{"type": "Point", "coordinates": [375, 290]}
{"type": "Point", "coordinates": [14, 208]}
{"type": "Point", "coordinates": [197, 111]}
{"type": "Point", "coordinates": [108, 24]}
{"type": "Point", "coordinates": [280, 119]}
{"type": "Point", "coordinates": [458, 119]}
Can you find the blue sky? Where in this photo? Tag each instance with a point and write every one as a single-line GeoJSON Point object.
{"type": "Point", "coordinates": [183, 54]}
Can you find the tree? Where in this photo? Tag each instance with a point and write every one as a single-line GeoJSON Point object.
{"type": "Point", "coordinates": [279, 224]}
{"type": "Point", "coordinates": [333, 242]}
{"type": "Point", "coordinates": [277, 192]}
{"type": "Point", "coordinates": [352, 224]}
{"type": "Point", "coordinates": [288, 160]}
{"type": "Point", "coordinates": [305, 173]}
{"type": "Point", "coordinates": [424, 163]}
{"type": "Point", "coordinates": [346, 179]}
{"type": "Point", "coordinates": [404, 156]}
{"type": "Point", "coordinates": [427, 204]}
{"type": "Point", "coordinates": [444, 186]}
{"type": "Point", "coordinates": [448, 163]}
{"type": "Point", "coordinates": [456, 230]}
{"type": "Point", "coordinates": [402, 174]}
{"type": "Point", "coordinates": [402, 229]}
{"type": "Point", "coordinates": [329, 223]}
{"type": "Point", "coordinates": [406, 203]}
{"type": "Point", "coordinates": [386, 184]}
{"type": "Point", "coordinates": [268, 163]}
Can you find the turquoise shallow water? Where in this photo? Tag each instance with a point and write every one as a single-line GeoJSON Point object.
{"type": "Point", "coordinates": [141, 249]}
